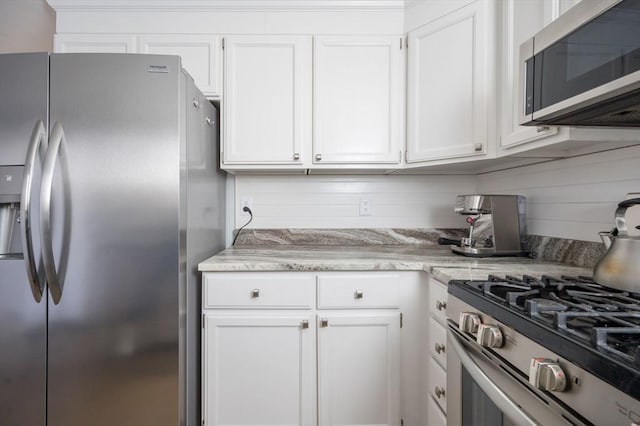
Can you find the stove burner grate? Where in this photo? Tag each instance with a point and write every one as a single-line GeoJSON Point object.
{"type": "Point", "coordinates": [606, 319]}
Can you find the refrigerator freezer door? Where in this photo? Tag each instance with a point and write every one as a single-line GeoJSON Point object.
{"type": "Point", "coordinates": [22, 348]}
{"type": "Point", "coordinates": [114, 336]}
{"type": "Point", "coordinates": [24, 80]}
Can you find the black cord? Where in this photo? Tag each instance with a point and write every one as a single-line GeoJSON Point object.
{"type": "Point", "coordinates": [248, 210]}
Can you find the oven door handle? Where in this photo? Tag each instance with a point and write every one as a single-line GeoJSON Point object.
{"type": "Point", "coordinates": [509, 408]}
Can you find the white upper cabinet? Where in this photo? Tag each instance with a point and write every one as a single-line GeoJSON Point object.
{"type": "Point", "coordinates": [94, 43]}
{"type": "Point", "coordinates": [357, 99]}
{"type": "Point", "coordinates": [267, 104]}
{"type": "Point", "coordinates": [201, 56]}
{"type": "Point", "coordinates": [451, 80]}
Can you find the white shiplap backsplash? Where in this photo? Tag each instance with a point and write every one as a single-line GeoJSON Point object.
{"type": "Point", "coordinates": [333, 201]}
{"type": "Point", "coordinates": [571, 198]}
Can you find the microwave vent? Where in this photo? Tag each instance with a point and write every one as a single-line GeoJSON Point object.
{"type": "Point", "coordinates": [620, 111]}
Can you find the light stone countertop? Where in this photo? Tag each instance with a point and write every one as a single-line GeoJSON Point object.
{"type": "Point", "coordinates": [441, 262]}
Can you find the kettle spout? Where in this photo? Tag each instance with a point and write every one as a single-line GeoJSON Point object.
{"type": "Point", "coordinates": [605, 236]}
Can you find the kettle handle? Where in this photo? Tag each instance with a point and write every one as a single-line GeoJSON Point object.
{"type": "Point", "coordinates": [621, 223]}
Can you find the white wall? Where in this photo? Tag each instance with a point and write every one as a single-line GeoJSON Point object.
{"type": "Point", "coordinates": [333, 201]}
{"type": "Point", "coordinates": [573, 198]}
{"type": "Point", "coordinates": [26, 26]}
{"type": "Point", "coordinates": [420, 12]}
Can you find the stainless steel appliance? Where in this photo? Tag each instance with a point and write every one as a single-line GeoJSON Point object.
{"type": "Point", "coordinates": [497, 225]}
{"type": "Point", "coordinates": [547, 351]}
{"type": "Point", "coordinates": [584, 68]}
{"type": "Point", "coordinates": [115, 158]}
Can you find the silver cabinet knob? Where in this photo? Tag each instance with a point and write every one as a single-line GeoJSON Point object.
{"type": "Point", "coordinates": [305, 324]}
{"type": "Point", "coordinates": [296, 156]}
{"type": "Point", "coordinates": [208, 121]}
{"type": "Point", "coordinates": [546, 374]}
{"type": "Point", "coordinates": [255, 293]}
{"type": "Point", "coordinates": [469, 322]}
{"type": "Point", "coordinates": [489, 336]}
{"type": "Point", "coordinates": [324, 322]}
{"type": "Point", "coordinates": [439, 348]}
{"type": "Point", "coordinates": [358, 294]}
{"type": "Point", "coordinates": [441, 305]}
{"type": "Point", "coordinates": [318, 157]}
{"type": "Point", "coordinates": [439, 392]}
{"type": "Point", "coordinates": [196, 103]}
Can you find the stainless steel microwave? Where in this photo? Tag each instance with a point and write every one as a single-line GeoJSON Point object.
{"type": "Point", "coordinates": [584, 68]}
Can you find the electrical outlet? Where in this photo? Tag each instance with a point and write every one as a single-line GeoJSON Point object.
{"type": "Point", "coordinates": [365, 207]}
{"type": "Point", "coordinates": [246, 202]}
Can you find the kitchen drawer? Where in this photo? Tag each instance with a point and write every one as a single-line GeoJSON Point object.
{"type": "Point", "coordinates": [437, 342]}
{"type": "Point", "coordinates": [438, 381]}
{"type": "Point", "coordinates": [355, 290]}
{"type": "Point", "coordinates": [258, 291]}
{"type": "Point", "coordinates": [435, 415]}
{"type": "Point", "coordinates": [438, 300]}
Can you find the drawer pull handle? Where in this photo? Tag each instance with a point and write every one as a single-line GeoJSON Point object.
{"type": "Point", "coordinates": [439, 348]}
{"type": "Point", "coordinates": [439, 392]}
{"type": "Point", "coordinates": [441, 305]}
{"type": "Point", "coordinates": [324, 322]}
{"type": "Point", "coordinates": [255, 293]}
{"type": "Point", "coordinates": [359, 294]}
{"type": "Point", "coordinates": [305, 324]}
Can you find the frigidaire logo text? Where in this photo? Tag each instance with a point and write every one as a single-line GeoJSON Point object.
{"type": "Point", "coordinates": [158, 68]}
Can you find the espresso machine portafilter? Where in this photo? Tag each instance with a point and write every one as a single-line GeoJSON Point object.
{"type": "Point", "coordinates": [10, 188]}
{"type": "Point", "coordinates": [497, 225]}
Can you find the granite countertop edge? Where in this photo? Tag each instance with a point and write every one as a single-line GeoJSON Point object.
{"type": "Point", "coordinates": [443, 265]}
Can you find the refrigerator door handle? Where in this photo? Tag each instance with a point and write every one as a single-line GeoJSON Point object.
{"type": "Point", "coordinates": [38, 142]}
{"type": "Point", "coordinates": [55, 140]}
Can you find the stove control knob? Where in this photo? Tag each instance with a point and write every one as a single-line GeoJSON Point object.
{"type": "Point", "coordinates": [489, 336]}
{"type": "Point", "coordinates": [469, 322]}
{"type": "Point", "coordinates": [546, 374]}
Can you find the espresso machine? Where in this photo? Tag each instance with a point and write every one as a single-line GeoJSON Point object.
{"type": "Point", "coordinates": [497, 225]}
{"type": "Point", "coordinates": [10, 189]}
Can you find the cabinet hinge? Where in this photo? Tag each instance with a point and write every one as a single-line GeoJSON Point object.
{"type": "Point", "coordinates": [400, 157]}
{"type": "Point", "coordinates": [406, 42]}
{"type": "Point", "coordinates": [222, 43]}
{"type": "Point", "coordinates": [401, 320]}
{"type": "Point", "coordinates": [401, 422]}
{"type": "Point", "coordinates": [203, 327]}
{"type": "Point", "coordinates": [406, 156]}
{"type": "Point", "coordinates": [401, 43]}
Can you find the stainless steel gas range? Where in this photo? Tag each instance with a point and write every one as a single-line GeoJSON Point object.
{"type": "Point", "coordinates": [546, 351]}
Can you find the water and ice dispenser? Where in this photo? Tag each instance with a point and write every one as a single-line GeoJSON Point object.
{"type": "Point", "coordinates": [10, 189]}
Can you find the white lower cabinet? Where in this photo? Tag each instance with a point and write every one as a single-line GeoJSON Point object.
{"type": "Point", "coordinates": [259, 369]}
{"type": "Point", "coordinates": [359, 369]}
{"type": "Point", "coordinates": [437, 374]}
{"type": "Point", "coordinates": [287, 362]}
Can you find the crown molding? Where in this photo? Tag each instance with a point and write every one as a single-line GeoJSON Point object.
{"type": "Point", "coordinates": [228, 5]}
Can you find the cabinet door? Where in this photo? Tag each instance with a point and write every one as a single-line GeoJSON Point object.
{"type": "Point", "coordinates": [94, 43]}
{"type": "Point", "coordinates": [357, 99]}
{"type": "Point", "coordinates": [259, 370]}
{"type": "Point", "coordinates": [359, 369]}
{"type": "Point", "coordinates": [450, 84]}
{"type": "Point", "coordinates": [201, 56]}
{"type": "Point", "coordinates": [267, 105]}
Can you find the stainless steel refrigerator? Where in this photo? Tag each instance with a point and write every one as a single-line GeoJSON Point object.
{"type": "Point", "coordinates": [109, 196]}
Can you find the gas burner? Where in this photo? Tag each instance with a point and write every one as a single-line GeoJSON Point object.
{"type": "Point", "coordinates": [604, 318]}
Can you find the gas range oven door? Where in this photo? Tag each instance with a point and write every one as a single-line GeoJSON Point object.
{"type": "Point", "coordinates": [483, 390]}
